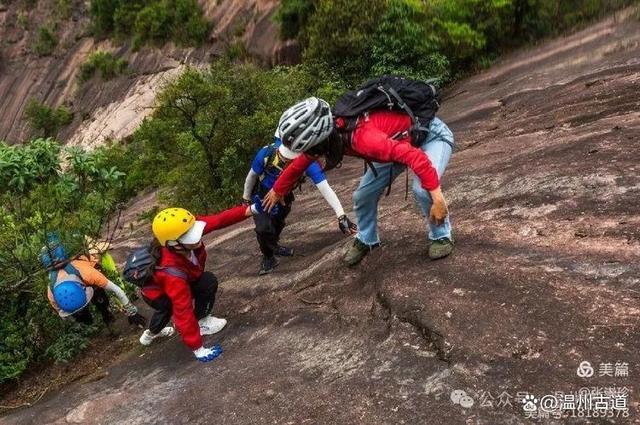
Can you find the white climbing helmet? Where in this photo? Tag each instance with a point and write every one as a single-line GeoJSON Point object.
{"type": "Point", "coordinates": [306, 124]}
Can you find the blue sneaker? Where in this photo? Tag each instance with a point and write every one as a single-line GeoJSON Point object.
{"type": "Point", "coordinates": [284, 251]}
{"type": "Point", "coordinates": [268, 264]}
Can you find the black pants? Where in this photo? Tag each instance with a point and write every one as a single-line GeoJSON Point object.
{"type": "Point", "coordinates": [101, 301]}
{"type": "Point", "coordinates": [269, 228]}
{"type": "Point", "coordinates": [203, 292]}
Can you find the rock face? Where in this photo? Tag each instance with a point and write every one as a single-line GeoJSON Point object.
{"type": "Point", "coordinates": [544, 193]}
{"type": "Point", "coordinates": [112, 109]}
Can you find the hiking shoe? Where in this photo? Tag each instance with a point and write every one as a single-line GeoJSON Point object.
{"type": "Point", "coordinates": [147, 337]}
{"type": "Point", "coordinates": [284, 251]}
{"type": "Point", "coordinates": [211, 325]}
{"type": "Point", "coordinates": [440, 248]}
{"type": "Point", "coordinates": [268, 264]}
{"type": "Point", "coordinates": [357, 252]}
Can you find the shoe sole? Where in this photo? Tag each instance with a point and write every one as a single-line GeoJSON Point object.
{"type": "Point", "coordinates": [354, 263]}
{"type": "Point", "coordinates": [211, 333]}
{"type": "Point", "coordinates": [440, 257]}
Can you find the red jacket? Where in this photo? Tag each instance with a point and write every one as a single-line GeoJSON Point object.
{"type": "Point", "coordinates": [372, 140]}
{"type": "Point", "coordinates": [178, 289]}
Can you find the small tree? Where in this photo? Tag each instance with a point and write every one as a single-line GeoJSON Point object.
{"type": "Point", "coordinates": [45, 120]}
{"type": "Point", "coordinates": [46, 41]}
{"type": "Point", "coordinates": [208, 125]}
{"type": "Point", "coordinates": [103, 62]}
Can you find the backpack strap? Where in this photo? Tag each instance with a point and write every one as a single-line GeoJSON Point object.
{"type": "Point", "coordinates": [174, 271]}
{"type": "Point", "coordinates": [68, 268]}
{"type": "Point", "coordinates": [417, 129]}
{"type": "Point", "coordinates": [369, 164]}
{"type": "Point", "coordinates": [401, 103]}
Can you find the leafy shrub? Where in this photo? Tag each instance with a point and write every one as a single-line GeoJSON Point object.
{"type": "Point", "coordinates": [404, 43]}
{"type": "Point", "coordinates": [103, 62]}
{"type": "Point", "coordinates": [74, 339]}
{"type": "Point", "coordinates": [103, 15]}
{"type": "Point", "coordinates": [63, 9]}
{"type": "Point", "coordinates": [23, 21]}
{"type": "Point", "coordinates": [292, 16]}
{"type": "Point", "coordinates": [38, 195]}
{"type": "Point", "coordinates": [46, 40]}
{"type": "Point", "coordinates": [154, 22]}
{"type": "Point", "coordinates": [339, 36]}
{"type": "Point", "coordinates": [45, 120]}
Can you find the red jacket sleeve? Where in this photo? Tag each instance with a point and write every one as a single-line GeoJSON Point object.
{"type": "Point", "coordinates": [223, 219]}
{"type": "Point", "coordinates": [183, 315]}
{"type": "Point", "coordinates": [374, 144]}
{"type": "Point", "coordinates": [290, 176]}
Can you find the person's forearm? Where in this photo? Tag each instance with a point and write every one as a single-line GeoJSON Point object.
{"type": "Point", "coordinates": [436, 194]}
{"type": "Point", "coordinates": [331, 197]}
{"type": "Point", "coordinates": [118, 292]}
{"type": "Point", "coordinates": [249, 184]}
{"type": "Point", "coordinates": [289, 177]}
{"type": "Point", "coordinates": [225, 218]}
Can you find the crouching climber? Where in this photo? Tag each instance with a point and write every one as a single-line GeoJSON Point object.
{"type": "Point", "coordinates": [179, 286]}
{"type": "Point", "coordinates": [267, 165]}
{"type": "Point", "coordinates": [75, 284]}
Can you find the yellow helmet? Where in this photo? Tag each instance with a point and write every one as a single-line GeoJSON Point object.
{"type": "Point", "coordinates": [170, 224]}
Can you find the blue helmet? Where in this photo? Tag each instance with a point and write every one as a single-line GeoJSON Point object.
{"type": "Point", "coordinates": [70, 296]}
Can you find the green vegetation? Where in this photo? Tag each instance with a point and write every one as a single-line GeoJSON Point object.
{"type": "Point", "coordinates": [103, 62]}
{"type": "Point", "coordinates": [28, 4]}
{"type": "Point", "coordinates": [63, 9]}
{"type": "Point", "coordinates": [404, 43]}
{"type": "Point", "coordinates": [37, 195]}
{"type": "Point", "coordinates": [436, 38]}
{"type": "Point", "coordinates": [23, 20]}
{"type": "Point", "coordinates": [206, 128]}
{"type": "Point", "coordinates": [150, 21]}
{"type": "Point", "coordinates": [293, 16]}
{"type": "Point", "coordinates": [45, 120]}
{"type": "Point", "coordinates": [46, 40]}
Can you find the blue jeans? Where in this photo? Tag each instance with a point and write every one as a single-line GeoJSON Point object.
{"type": "Point", "coordinates": [438, 148]}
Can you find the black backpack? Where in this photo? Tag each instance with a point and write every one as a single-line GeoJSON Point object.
{"type": "Point", "coordinates": [418, 99]}
{"type": "Point", "coordinates": [142, 263]}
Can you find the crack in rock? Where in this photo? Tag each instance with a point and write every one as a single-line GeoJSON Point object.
{"type": "Point", "coordinates": [431, 336]}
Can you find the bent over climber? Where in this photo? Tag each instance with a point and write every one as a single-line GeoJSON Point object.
{"type": "Point", "coordinates": [74, 284]}
{"type": "Point", "coordinates": [382, 137]}
{"type": "Point", "coordinates": [180, 286]}
{"type": "Point", "coordinates": [267, 165]}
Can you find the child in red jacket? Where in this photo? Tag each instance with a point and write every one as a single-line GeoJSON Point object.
{"type": "Point", "coordinates": [181, 288]}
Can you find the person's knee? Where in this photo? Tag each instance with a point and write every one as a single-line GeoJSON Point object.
{"type": "Point", "coordinates": [363, 198]}
{"type": "Point", "coordinates": [265, 228]}
{"type": "Point", "coordinates": [356, 197]}
{"type": "Point", "coordinates": [420, 193]}
{"type": "Point", "coordinates": [209, 281]}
